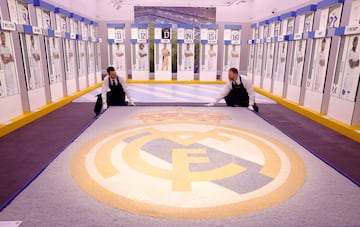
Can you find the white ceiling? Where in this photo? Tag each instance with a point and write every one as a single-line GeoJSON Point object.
{"type": "Point", "coordinates": [226, 10]}
{"type": "Point", "coordinates": [199, 3]}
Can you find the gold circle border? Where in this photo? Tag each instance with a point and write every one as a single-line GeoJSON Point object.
{"type": "Point", "coordinates": [296, 179]}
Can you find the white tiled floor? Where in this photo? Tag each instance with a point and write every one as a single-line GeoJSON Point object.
{"type": "Point", "coordinates": [172, 93]}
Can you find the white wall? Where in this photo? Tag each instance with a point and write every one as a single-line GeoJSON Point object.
{"type": "Point", "coordinates": [97, 10]}
{"type": "Point", "coordinates": [84, 8]}
{"type": "Point", "coordinates": [106, 12]}
{"type": "Point", "coordinates": [254, 11]}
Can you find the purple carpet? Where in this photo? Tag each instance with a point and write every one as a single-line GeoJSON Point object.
{"type": "Point", "coordinates": [340, 152]}
{"type": "Point", "coordinates": [26, 152]}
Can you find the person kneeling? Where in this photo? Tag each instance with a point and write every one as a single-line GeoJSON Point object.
{"type": "Point", "coordinates": [238, 91]}
{"type": "Point", "coordinates": [114, 90]}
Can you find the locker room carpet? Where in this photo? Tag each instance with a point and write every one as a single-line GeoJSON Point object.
{"type": "Point", "coordinates": [70, 191]}
{"type": "Point", "coordinates": [42, 198]}
{"type": "Point", "coordinates": [326, 146]}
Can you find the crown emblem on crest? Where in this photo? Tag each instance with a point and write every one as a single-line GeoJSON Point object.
{"type": "Point", "coordinates": [180, 115]}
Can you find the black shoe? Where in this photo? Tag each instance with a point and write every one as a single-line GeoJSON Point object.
{"type": "Point", "coordinates": [256, 108]}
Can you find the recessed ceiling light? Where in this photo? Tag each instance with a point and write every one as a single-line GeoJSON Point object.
{"type": "Point", "coordinates": [241, 1]}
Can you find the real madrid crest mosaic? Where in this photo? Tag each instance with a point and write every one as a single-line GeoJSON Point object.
{"type": "Point", "coordinates": [185, 164]}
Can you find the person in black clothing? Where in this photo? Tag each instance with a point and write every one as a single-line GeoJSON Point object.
{"type": "Point", "coordinates": [238, 91]}
{"type": "Point", "coordinates": [114, 90]}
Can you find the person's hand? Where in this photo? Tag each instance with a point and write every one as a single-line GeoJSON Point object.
{"type": "Point", "coordinates": [132, 104]}
{"type": "Point", "coordinates": [105, 107]}
{"type": "Point", "coordinates": [210, 104]}
{"type": "Point", "coordinates": [251, 108]}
